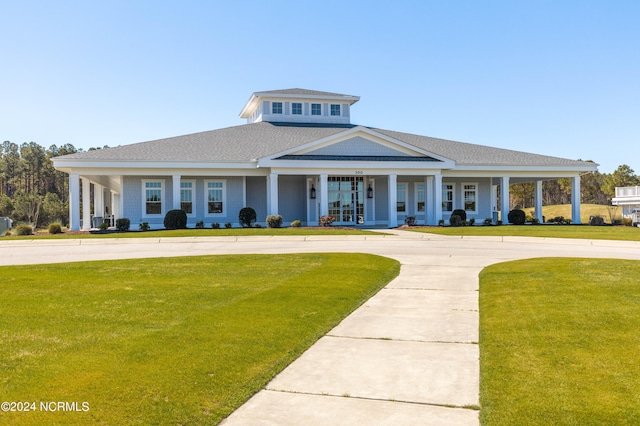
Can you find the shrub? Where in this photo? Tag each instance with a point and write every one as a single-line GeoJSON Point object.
{"type": "Point", "coordinates": [228, 225]}
{"type": "Point", "coordinates": [103, 226]}
{"type": "Point", "coordinates": [472, 221]}
{"type": "Point", "coordinates": [410, 220]}
{"type": "Point", "coordinates": [175, 219]}
{"type": "Point", "coordinates": [24, 230]}
{"type": "Point", "coordinates": [8, 234]}
{"type": "Point", "coordinates": [55, 228]}
{"type": "Point", "coordinates": [215, 225]}
{"type": "Point", "coordinates": [274, 221]}
{"type": "Point", "coordinates": [627, 221]}
{"type": "Point", "coordinates": [596, 220]}
{"type": "Point", "coordinates": [455, 220]}
{"type": "Point", "coordinates": [144, 226]}
{"type": "Point", "coordinates": [326, 220]}
{"type": "Point", "coordinates": [200, 224]}
{"type": "Point", "coordinates": [535, 221]}
{"type": "Point", "coordinates": [441, 222]}
{"type": "Point", "coordinates": [487, 221]}
{"type": "Point", "coordinates": [461, 213]}
{"type": "Point", "coordinates": [246, 217]}
{"type": "Point", "coordinates": [123, 224]}
{"type": "Point", "coordinates": [517, 217]}
{"type": "Point", "coordinates": [296, 223]}
{"type": "Point", "coordinates": [257, 225]}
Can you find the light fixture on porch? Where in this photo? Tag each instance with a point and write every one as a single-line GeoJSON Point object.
{"type": "Point", "coordinates": [312, 192]}
{"type": "Point", "coordinates": [369, 192]}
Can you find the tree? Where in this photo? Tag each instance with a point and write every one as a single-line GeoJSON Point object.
{"type": "Point", "coordinates": [622, 176]}
{"type": "Point", "coordinates": [27, 207]}
{"type": "Point", "coordinates": [53, 209]}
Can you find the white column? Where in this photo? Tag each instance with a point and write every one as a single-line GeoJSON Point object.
{"type": "Point", "coordinates": [430, 205]}
{"type": "Point", "coordinates": [393, 200]}
{"type": "Point", "coordinates": [86, 204]}
{"type": "Point", "coordinates": [538, 200]}
{"type": "Point", "coordinates": [176, 192]}
{"type": "Point", "coordinates": [504, 199]}
{"type": "Point", "coordinates": [74, 202]}
{"type": "Point", "coordinates": [323, 191]}
{"type": "Point", "coordinates": [272, 207]}
{"type": "Point", "coordinates": [115, 205]}
{"type": "Point", "coordinates": [437, 198]}
{"type": "Point", "coordinates": [494, 202]}
{"type": "Point", "coordinates": [575, 200]}
{"type": "Point", "coordinates": [98, 200]}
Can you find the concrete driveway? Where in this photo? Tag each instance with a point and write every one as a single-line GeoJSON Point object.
{"type": "Point", "coordinates": [408, 356]}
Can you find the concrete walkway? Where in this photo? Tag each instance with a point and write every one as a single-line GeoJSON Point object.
{"type": "Point", "coordinates": [408, 356]}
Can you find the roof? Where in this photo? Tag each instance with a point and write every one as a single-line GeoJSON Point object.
{"type": "Point", "coordinates": [300, 92]}
{"type": "Point", "coordinates": [248, 142]}
{"type": "Point", "coordinates": [295, 93]}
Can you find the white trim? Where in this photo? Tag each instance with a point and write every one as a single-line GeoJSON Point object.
{"type": "Point", "coordinates": [392, 181]}
{"type": "Point", "coordinates": [416, 186]}
{"type": "Point", "coordinates": [446, 199]}
{"type": "Point", "coordinates": [206, 197]}
{"type": "Point", "coordinates": [193, 196]}
{"type": "Point", "coordinates": [163, 198]}
{"type": "Point", "coordinates": [462, 197]}
{"type": "Point", "coordinates": [406, 211]}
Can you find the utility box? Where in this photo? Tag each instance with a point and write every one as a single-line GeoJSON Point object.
{"type": "Point", "coordinates": [5, 225]}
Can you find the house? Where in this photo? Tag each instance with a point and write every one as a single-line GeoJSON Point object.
{"type": "Point", "coordinates": [300, 156]}
{"type": "Point", "coordinates": [629, 198]}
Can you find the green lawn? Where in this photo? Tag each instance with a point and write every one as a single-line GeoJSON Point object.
{"type": "Point", "coordinates": [549, 231]}
{"type": "Point", "coordinates": [559, 342]}
{"type": "Point", "coordinates": [168, 341]}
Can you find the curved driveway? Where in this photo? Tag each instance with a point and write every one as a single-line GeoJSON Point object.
{"type": "Point", "coordinates": [408, 356]}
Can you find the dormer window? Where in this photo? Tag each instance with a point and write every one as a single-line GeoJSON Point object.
{"type": "Point", "coordinates": [335, 109]}
{"type": "Point", "coordinates": [296, 108]}
{"type": "Point", "coordinates": [316, 109]}
{"type": "Point", "coordinates": [276, 108]}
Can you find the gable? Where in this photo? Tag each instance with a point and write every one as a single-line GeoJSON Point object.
{"type": "Point", "coordinates": [356, 146]}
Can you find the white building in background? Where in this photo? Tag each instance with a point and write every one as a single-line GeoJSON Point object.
{"type": "Point", "coordinates": [628, 197]}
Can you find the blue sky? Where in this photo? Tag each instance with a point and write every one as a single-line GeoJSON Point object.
{"type": "Point", "coordinates": [559, 78]}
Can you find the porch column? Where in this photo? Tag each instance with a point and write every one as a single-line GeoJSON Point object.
{"type": "Point", "coordinates": [86, 204]}
{"type": "Point", "coordinates": [575, 200]}
{"type": "Point", "coordinates": [393, 200]}
{"type": "Point", "coordinates": [176, 191]}
{"type": "Point", "coordinates": [504, 199]}
{"type": "Point", "coordinates": [272, 194]}
{"type": "Point", "coordinates": [437, 198]}
{"type": "Point", "coordinates": [538, 200]}
{"type": "Point", "coordinates": [98, 200]}
{"type": "Point", "coordinates": [74, 202]}
{"type": "Point", "coordinates": [323, 191]}
{"type": "Point", "coordinates": [115, 205]}
{"type": "Point", "coordinates": [429, 208]}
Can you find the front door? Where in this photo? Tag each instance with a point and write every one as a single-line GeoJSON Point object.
{"type": "Point", "coordinates": [346, 199]}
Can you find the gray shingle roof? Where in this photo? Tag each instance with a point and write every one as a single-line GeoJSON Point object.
{"type": "Point", "coordinates": [300, 92]}
{"type": "Point", "coordinates": [257, 140]}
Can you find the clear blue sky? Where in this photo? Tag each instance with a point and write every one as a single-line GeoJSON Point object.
{"type": "Point", "coordinates": [559, 78]}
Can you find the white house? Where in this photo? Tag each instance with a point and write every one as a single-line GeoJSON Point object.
{"type": "Point", "coordinates": [300, 156]}
{"type": "Point", "coordinates": [629, 198]}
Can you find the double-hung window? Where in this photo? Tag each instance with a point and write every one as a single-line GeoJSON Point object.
{"type": "Point", "coordinates": [402, 198]}
{"type": "Point", "coordinates": [420, 198]}
{"type": "Point", "coordinates": [316, 109]}
{"type": "Point", "coordinates": [186, 196]}
{"type": "Point", "coordinates": [447, 197]}
{"type": "Point", "coordinates": [470, 197]}
{"type": "Point", "coordinates": [296, 108]}
{"type": "Point", "coordinates": [153, 193]}
{"type": "Point", "coordinates": [216, 197]}
{"type": "Point", "coordinates": [276, 108]}
{"type": "Point", "coordinates": [335, 109]}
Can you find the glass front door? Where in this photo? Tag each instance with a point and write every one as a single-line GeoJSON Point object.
{"type": "Point", "coordinates": [346, 199]}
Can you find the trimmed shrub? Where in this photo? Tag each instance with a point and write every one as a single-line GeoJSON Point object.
{"type": "Point", "coordinates": [246, 217]}
{"type": "Point", "coordinates": [410, 220]}
{"type": "Point", "coordinates": [472, 221]}
{"type": "Point", "coordinates": [296, 223]}
{"type": "Point", "coordinates": [441, 222]}
{"type": "Point", "coordinates": [461, 213]}
{"type": "Point", "coordinates": [455, 220]}
{"type": "Point", "coordinates": [123, 224]}
{"type": "Point", "coordinates": [228, 225]}
{"type": "Point", "coordinates": [55, 228]}
{"type": "Point", "coordinates": [326, 220]}
{"type": "Point", "coordinates": [175, 219]}
{"type": "Point", "coordinates": [596, 220]}
{"type": "Point", "coordinates": [274, 221]}
{"type": "Point", "coordinates": [517, 217]}
{"type": "Point", "coordinates": [24, 230]}
{"type": "Point", "coordinates": [200, 224]}
{"type": "Point", "coordinates": [103, 226]}
{"type": "Point", "coordinates": [215, 225]}
{"type": "Point", "coordinates": [144, 226]}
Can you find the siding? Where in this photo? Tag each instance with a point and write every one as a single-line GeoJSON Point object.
{"type": "Point", "coordinates": [257, 196]}
{"type": "Point", "coordinates": [292, 198]}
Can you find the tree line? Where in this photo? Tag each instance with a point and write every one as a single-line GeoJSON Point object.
{"type": "Point", "coordinates": [32, 191]}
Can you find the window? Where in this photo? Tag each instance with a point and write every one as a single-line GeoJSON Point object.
{"type": "Point", "coordinates": [447, 197]}
{"type": "Point", "coordinates": [186, 197]}
{"type": "Point", "coordinates": [215, 196]}
{"type": "Point", "coordinates": [470, 194]}
{"type": "Point", "coordinates": [402, 198]}
{"type": "Point", "coordinates": [153, 193]}
{"type": "Point", "coordinates": [276, 108]}
{"type": "Point", "coordinates": [296, 108]}
{"type": "Point", "coordinates": [335, 109]}
{"type": "Point", "coordinates": [420, 198]}
{"type": "Point", "coordinates": [316, 109]}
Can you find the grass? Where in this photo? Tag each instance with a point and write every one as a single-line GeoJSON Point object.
{"type": "Point", "coordinates": [586, 211]}
{"type": "Point", "coordinates": [204, 233]}
{"type": "Point", "coordinates": [183, 340]}
{"type": "Point", "coordinates": [559, 342]}
{"type": "Point", "coordinates": [623, 233]}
